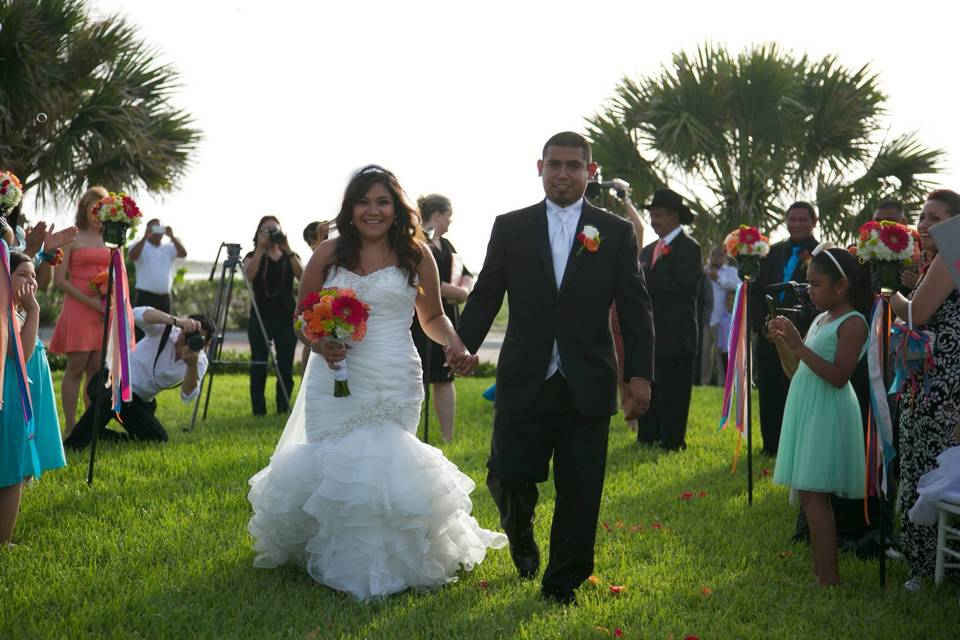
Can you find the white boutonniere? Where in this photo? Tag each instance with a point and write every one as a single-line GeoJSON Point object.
{"type": "Point", "coordinates": [589, 239]}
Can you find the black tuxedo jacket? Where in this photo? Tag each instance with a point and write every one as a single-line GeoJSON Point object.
{"type": "Point", "coordinates": [577, 315]}
{"type": "Point", "coordinates": [771, 272]}
{"type": "Point", "coordinates": [674, 285]}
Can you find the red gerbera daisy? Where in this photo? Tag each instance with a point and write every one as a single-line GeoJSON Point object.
{"type": "Point", "coordinates": [895, 237]}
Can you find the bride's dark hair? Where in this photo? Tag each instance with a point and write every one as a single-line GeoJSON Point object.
{"type": "Point", "coordinates": [405, 236]}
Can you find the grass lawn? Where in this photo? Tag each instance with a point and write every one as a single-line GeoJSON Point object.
{"type": "Point", "coordinates": [157, 548]}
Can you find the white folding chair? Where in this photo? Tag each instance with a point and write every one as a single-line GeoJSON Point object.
{"type": "Point", "coordinates": [947, 507]}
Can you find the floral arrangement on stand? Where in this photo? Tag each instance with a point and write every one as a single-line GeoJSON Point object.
{"type": "Point", "coordinates": [887, 247]}
{"type": "Point", "coordinates": [747, 245]}
{"type": "Point", "coordinates": [119, 214]}
{"type": "Point", "coordinates": [335, 314]}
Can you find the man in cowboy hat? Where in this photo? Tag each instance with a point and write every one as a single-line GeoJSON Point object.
{"type": "Point", "coordinates": [673, 268]}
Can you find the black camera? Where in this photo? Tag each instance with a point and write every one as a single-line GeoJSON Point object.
{"type": "Point", "coordinates": [277, 236]}
{"type": "Point", "coordinates": [799, 306]}
{"type": "Point", "coordinates": [194, 341]}
{"type": "Point", "coordinates": [597, 185]}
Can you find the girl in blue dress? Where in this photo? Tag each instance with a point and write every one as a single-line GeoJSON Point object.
{"type": "Point", "coordinates": [821, 443]}
{"type": "Point", "coordinates": [18, 452]}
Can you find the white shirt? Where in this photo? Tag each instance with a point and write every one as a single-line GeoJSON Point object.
{"type": "Point", "coordinates": [146, 381]}
{"type": "Point", "coordinates": [155, 267]}
{"type": "Point", "coordinates": [667, 239]}
{"type": "Point", "coordinates": [558, 218]}
{"type": "Point", "coordinates": [727, 280]}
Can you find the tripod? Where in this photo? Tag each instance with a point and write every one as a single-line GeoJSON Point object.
{"type": "Point", "coordinates": [220, 316]}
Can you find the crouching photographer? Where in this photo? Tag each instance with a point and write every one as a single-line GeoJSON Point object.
{"type": "Point", "coordinates": [170, 355]}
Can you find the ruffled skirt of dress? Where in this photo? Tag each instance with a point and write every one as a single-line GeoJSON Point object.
{"type": "Point", "coordinates": [372, 512]}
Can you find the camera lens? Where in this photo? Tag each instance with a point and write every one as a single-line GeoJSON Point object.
{"type": "Point", "coordinates": [195, 341]}
{"type": "Point", "coordinates": [277, 237]}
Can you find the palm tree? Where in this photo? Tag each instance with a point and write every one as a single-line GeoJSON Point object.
{"type": "Point", "coordinates": [84, 101]}
{"type": "Point", "coordinates": [743, 136]}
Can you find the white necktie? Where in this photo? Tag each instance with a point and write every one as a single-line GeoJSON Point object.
{"type": "Point", "coordinates": [560, 247]}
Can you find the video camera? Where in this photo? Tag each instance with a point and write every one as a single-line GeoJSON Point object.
{"type": "Point", "coordinates": [597, 186]}
{"type": "Point", "coordinates": [802, 312]}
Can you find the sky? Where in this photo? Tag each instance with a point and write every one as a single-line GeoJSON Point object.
{"type": "Point", "coordinates": [457, 98]}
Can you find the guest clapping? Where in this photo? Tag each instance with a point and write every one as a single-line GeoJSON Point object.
{"type": "Point", "coordinates": [929, 411]}
{"type": "Point", "coordinates": [272, 268]}
{"type": "Point", "coordinates": [436, 212]}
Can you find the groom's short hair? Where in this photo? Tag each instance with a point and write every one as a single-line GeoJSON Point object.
{"type": "Point", "coordinates": [569, 139]}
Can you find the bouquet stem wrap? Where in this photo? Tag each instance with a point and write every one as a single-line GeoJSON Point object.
{"type": "Point", "coordinates": [341, 386]}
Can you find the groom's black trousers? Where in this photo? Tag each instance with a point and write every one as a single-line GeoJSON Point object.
{"type": "Point", "coordinates": [522, 445]}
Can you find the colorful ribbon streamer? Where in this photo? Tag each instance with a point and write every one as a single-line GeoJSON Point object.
{"type": "Point", "coordinates": [879, 450]}
{"type": "Point", "coordinates": [8, 308]}
{"type": "Point", "coordinates": [736, 391]}
{"type": "Point", "coordinates": [120, 341]}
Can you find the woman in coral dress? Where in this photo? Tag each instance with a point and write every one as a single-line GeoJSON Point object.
{"type": "Point", "coordinates": [79, 330]}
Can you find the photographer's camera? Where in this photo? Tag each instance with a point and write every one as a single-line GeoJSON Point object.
{"type": "Point", "coordinates": [277, 237]}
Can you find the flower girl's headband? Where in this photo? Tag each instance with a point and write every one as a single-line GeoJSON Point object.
{"type": "Point", "coordinates": [824, 247]}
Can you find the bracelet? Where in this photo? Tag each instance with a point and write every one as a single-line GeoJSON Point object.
{"type": "Point", "coordinates": [53, 258]}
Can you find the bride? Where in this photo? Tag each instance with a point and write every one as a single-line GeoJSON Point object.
{"type": "Point", "coordinates": [350, 493]}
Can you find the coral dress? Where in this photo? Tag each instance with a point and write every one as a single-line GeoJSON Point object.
{"type": "Point", "coordinates": [80, 328]}
{"type": "Point", "coordinates": [821, 442]}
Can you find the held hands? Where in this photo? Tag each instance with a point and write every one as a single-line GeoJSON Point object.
{"type": "Point", "coordinates": [636, 398]}
{"type": "Point", "coordinates": [460, 361]}
{"type": "Point", "coordinates": [781, 330]}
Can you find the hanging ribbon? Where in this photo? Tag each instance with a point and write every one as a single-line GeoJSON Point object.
{"type": "Point", "coordinates": [879, 450]}
{"type": "Point", "coordinates": [736, 389]}
{"type": "Point", "coordinates": [912, 358]}
{"type": "Point", "coordinates": [12, 336]}
{"type": "Point", "coordinates": [120, 317]}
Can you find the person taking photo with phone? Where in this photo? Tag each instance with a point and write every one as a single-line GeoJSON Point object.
{"type": "Point", "coordinates": [153, 259]}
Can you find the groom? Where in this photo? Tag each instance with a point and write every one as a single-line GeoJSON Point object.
{"type": "Point", "coordinates": [563, 263]}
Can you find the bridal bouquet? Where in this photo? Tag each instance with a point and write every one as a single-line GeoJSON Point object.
{"type": "Point", "coordinates": [11, 191]}
{"type": "Point", "coordinates": [334, 314]}
{"type": "Point", "coordinates": [747, 245]}
{"type": "Point", "coordinates": [888, 247]}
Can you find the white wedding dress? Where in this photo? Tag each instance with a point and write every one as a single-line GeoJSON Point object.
{"type": "Point", "coordinates": [350, 493]}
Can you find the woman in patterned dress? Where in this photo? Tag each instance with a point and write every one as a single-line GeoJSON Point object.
{"type": "Point", "coordinates": [930, 411]}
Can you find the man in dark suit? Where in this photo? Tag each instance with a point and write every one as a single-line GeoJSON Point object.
{"type": "Point", "coordinates": [787, 260]}
{"type": "Point", "coordinates": [673, 267]}
{"type": "Point", "coordinates": [563, 263]}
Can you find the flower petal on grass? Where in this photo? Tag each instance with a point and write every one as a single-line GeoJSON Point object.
{"type": "Point", "coordinates": [617, 589]}
{"type": "Point", "coordinates": [594, 580]}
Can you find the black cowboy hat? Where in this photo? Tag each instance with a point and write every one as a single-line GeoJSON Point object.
{"type": "Point", "coordinates": [671, 200]}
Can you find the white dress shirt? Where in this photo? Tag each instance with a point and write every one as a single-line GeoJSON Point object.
{"type": "Point", "coordinates": [667, 239]}
{"type": "Point", "coordinates": [147, 382]}
{"type": "Point", "coordinates": [727, 280]}
{"type": "Point", "coordinates": [562, 225]}
{"type": "Point", "coordinates": [155, 267]}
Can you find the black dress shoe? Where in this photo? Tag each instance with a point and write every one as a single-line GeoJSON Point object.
{"type": "Point", "coordinates": [562, 598]}
{"type": "Point", "coordinates": [526, 557]}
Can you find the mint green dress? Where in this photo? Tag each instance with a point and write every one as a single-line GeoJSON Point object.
{"type": "Point", "coordinates": [821, 440]}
